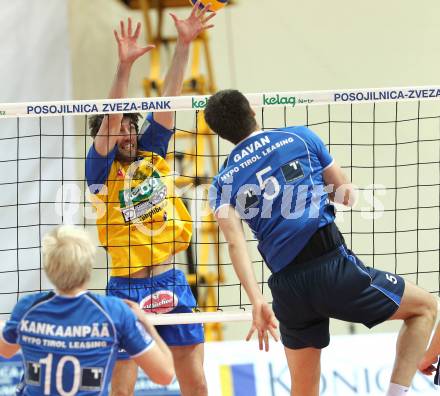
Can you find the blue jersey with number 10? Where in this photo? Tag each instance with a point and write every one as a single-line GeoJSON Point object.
{"type": "Point", "coordinates": [274, 180]}
{"type": "Point", "coordinates": [69, 344]}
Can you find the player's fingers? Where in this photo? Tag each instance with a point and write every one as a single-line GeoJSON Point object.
{"type": "Point", "coordinates": [122, 27]}
{"type": "Point", "coordinates": [273, 323]}
{"type": "Point", "coordinates": [116, 35]}
{"type": "Point", "coordinates": [260, 340]}
{"type": "Point", "coordinates": [274, 334]}
{"type": "Point", "coordinates": [137, 32]}
{"type": "Point", "coordinates": [175, 19]}
{"type": "Point", "coordinates": [210, 16]}
{"type": "Point", "coordinates": [250, 333]}
{"type": "Point", "coordinates": [428, 370]}
{"type": "Point", "coordinates": [205, 10]}
{"type": "Point", "coordinates": [147, 48]}
{"type": "Point", "coordinates": [266, 341]}
{"type": "Point", "coordinates": [208, 27]}
{"type": "Point", "coordinates": [129, 303]}
{"type": "Point", "coordinates": [130, 27]}
{"type": "Point", "coordinates": [195, 9]}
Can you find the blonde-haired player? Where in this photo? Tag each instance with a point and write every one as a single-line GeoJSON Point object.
{"type": "Point", "coordinates": [71, 335]}
{"type": "Point", "coordinates": [141, 222]}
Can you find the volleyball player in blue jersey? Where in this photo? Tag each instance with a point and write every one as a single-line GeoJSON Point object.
{"type": "Point", "coordinates": [280, 182]}
{"type": "Point", "coordinates": [70, 338]}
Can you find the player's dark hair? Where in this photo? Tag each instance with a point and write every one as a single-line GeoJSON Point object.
{"type": "Point", "coordinates": [229, 114]}
{"type": "Point", "coordinates": [95, 122]}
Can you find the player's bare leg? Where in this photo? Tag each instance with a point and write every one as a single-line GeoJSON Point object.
{"type": "Point", "coordinates": [418, 310]}
{"type": "Point", "coordinates": [188, 363]}
{"type": "Point", "coordinates": [124, 378]}
{"type": "Point", "coordinates": [305, 370]}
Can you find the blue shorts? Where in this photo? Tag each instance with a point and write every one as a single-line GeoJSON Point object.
{"type": "Point", "coordinates": [336, 285]}
{"type": "Point", "coordinates": [168, 292]}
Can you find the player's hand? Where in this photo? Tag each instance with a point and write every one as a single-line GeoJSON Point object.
{"type": "Point", "coordinates": [135, 308]}
{"type": "Point", "coordinates": [128, 48]}
{"type": "Point", "coordinates": [427, 364]}
{"type": "Point", "coordinates": [188, 29]}
{"type": "Point", "coordinates": [264, 322]}
{"type": "Point", "coordinates": [141, 316]}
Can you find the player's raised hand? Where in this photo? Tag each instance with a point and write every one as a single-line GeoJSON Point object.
{"type": "Point", "coordinates": [188, 29]}
{"type": "Point", "coordinates": [128, 48]}
{"type": "Point", "coordinates": [264, 322]}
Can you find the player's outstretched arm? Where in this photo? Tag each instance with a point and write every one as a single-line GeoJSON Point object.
{"type": "Point", "coordinates": [426, 365]}
{"type": "Point", "coordinates": [128, 52]}
{"type": "Point", "coordinates": [187, 30]}
{"type": "Point", "coordinates": [340, 188]}
{"type": "Point", "coordinates": [156, 362]}
{"type": "Point", "coordinates": [264, 321]}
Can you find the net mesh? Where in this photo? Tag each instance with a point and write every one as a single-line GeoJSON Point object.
{"type": "Point", "coordinates": [390, 150]}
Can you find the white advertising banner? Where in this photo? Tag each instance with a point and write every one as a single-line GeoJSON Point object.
{"type": "Point", "coordinates": [351, 366]}
{"type": "Point", "coordinates": [357, 365]}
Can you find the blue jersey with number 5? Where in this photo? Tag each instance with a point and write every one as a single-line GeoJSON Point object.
{"type": "Point", "coordinates": [69, 344]}
{"type": "Point", "coordinates": [274, 180]}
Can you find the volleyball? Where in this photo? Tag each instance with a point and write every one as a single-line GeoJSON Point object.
{"type": "Point", "coordinates": [215, 4]}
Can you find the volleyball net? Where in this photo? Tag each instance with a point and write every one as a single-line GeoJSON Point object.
{"type": "Point", "coordinates": [386, 140]}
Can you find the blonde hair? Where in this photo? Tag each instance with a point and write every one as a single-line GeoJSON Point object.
{"type": "Point", "coordinates": [68, 256]}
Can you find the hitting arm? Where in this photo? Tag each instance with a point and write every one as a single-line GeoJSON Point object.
{"type": "Point", "coordinates": [157, 361]}
{"type": "Point", "coordinates": [340, 188]}
{"type": "Point", "coordinates": [263, 318]}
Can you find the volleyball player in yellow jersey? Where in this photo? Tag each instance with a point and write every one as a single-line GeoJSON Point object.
{"type": "Point", "coordinates": [140, 221]}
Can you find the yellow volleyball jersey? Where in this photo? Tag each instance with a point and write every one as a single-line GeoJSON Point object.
{"type": "Point", "coordinates": [140, 219]}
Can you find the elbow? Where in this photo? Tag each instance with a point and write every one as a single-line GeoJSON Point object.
{"type": "Point", "coordinates": [232, 245]}
{"type": "Point", "coordinates": [235, 248]}
{"type": "Point", "coordinates": [7, 353]}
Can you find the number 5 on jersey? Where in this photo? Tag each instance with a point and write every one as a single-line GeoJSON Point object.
{"type": "Point", "coordinates": [391, 278]}
{"type": "Point", "coordinates": [263, 182]}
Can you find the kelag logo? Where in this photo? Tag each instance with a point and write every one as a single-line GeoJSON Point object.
{"type": "Point", "coordinates": [279, 100]}
{"type": "Point", "coordinates": [199, 104]}
{"type": "Point", "coordinates": [2, 113]}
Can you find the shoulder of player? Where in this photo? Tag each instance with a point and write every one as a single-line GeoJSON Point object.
{"type": "Point", "coordinates": [109, 304]}
{"type": "Point", "coordinates": [151, 156]}
{"type": "Point", "coordinates": [30, 301]}
{"type": "Point", "coordinates": [296, 129]}
{"type": "Point", "coordinates": [150, 120]}
{"type": "Point", "coordinates": [308, 136]}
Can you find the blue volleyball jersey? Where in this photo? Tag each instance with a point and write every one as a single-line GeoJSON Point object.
{"type": "Point", "coordinates": [69, 344]}
{"type": "Point", "coordinates": [274, 181]}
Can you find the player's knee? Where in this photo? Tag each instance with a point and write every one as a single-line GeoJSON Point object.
{"type": "Point", "coordinates": [431, 308]}
{"type": "Point", "coordinates": [200, 387]}
{"type": "Point", "coordinates": [427, 308]}
{"type": "Point", "coordinates": [122, 389]}
{"type": "Point", "coordinates": [195, 386]}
